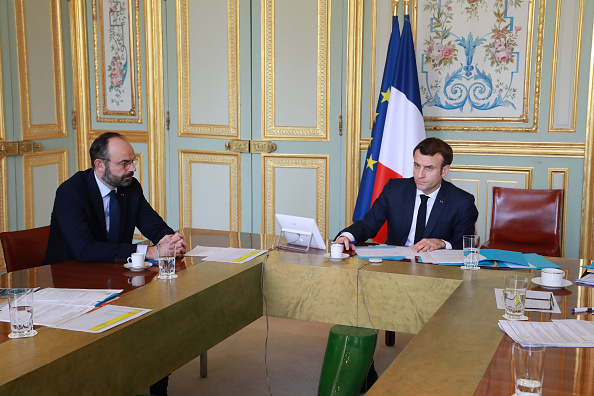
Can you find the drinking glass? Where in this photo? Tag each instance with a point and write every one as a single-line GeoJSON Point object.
{"type": "Point", "coordinates": [20, 306]}
{"type": "Point", "coordinates": [471, 245]}
{"type": "Point", "coordinates": [515, 297]}
{"type": "Point", "coordinates": [166, 253]}
{"type": "Point", "coordinates": [528, 369]}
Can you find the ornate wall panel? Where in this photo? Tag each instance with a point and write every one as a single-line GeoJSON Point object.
{"type": "Point", "coordinates": [41, 68]}
{"type": "Point", "coordinates": [117, 50]}
{"type": "Point", "coordinates": [42, 172]}
{"type": "Point", "coordinates": [301, 76]}
{"type": "Point", "coordinates": [295, 178]}
{"type": "Point", "coordinates": [2, 126]}
{"type": "Point", "coordinates": [558, 178]}
{"type": "Point", "coordinates": [199, 172]}
{"type": "Point", "coordinates": [480, 180]}
{"type": "Point", "coordinates": [3, 197]}
{"type": "Point", "coordinates": [565, 73]}
{"type": "Point", "coordinates": [208, 107]}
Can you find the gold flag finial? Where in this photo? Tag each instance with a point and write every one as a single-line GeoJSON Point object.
{"type": "Point", "coordinates": [406, 7]}
{"type": "Point", "coordinates": [395, 5]}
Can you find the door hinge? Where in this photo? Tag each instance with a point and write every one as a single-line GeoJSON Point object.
{"type": "Point", "coordinates": [167, 120]}
{"type": "Point", "coordinates": [250, 146]}
{"type": "Point", "coordinates": [18, 148]}
{"type": "Point", "coordinates": [340, 125]}
{"type": "Point", "coordinates": [74, 119]}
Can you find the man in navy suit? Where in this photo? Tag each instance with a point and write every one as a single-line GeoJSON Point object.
{"type": "Point", "coordinates": [449, 212]}
{"type": "Point", "coordinates": [81, 226]}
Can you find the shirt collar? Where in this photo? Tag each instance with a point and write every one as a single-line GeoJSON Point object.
{"type": "Point", "coordinates": [103, 189]}
{"type": "Point", "coordinates": [433, 195]}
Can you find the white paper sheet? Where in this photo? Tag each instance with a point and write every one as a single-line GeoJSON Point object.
{"type": "Point", "coordinates": [558, 333]}
{"type": "Point", "coordinates": [225, 255]}
{"type": "Point", "coordinates": [446, 256]}
{"type": "Point", "coordinates": [88, 297]}
{"type": "Point", "coordinates": [386, 251]}
{"type": "Point", "coordinates": [537, 296]}
{"type": "Point", "coordinates": [103, 319]}
{"type": "Point", "coordinates": [49, 314]}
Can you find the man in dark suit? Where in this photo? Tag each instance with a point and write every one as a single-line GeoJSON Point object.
{"type": "Point", "coordinates": [81, 226]}
{"type": "Point", "coordinates": [447, 212]}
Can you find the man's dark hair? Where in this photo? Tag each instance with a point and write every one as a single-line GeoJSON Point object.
{"type": "Point", "coordinates": [432, 146]}
{"type": "Point", "coordinates": [100, 147]}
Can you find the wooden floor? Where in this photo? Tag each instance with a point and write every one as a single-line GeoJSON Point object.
{"type": "Point", "coordinates": [295, 354]}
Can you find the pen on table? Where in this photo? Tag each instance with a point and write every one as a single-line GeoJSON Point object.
{"type": "Point", "coordinates": [109, 298]}
{"type": "Point", "coordinates": [584, 309]}
{"type": "Point", "coordinates": [104, 303]}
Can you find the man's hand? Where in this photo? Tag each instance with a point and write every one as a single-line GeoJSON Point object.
{"type": "Point", "coordinates": [428, 245]}
{"type": "Point", "coordinates": [346, 242]}
{"type": "Point", "coordinates": [177, 239]}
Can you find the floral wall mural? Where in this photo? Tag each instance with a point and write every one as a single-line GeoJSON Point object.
{"type": "Point", "coordinates": [472, 57]}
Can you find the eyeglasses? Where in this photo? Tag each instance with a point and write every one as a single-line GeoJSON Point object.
{"type": "Point", "coordinates": [125, 164]}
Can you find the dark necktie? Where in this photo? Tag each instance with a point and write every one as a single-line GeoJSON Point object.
{"type": "Point", "coordinates": [114, 217]}
{"type": "Point", "coordinates": [421, 216]}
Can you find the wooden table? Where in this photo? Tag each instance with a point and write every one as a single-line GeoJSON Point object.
{"type": "Point", "coordinates": [458, 348]}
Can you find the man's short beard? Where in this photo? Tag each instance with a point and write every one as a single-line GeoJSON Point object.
{"type": "Point", "coordinates": [117, 181]}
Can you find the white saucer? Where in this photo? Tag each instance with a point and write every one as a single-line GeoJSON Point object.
{"type": "Point", "coordinates": [564, 283]}
{"type": "Point", "coordinates": [137, 269]}
{"type": "Point", "coordinates": [344, 255]}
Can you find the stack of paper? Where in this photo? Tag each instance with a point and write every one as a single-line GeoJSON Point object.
{"type": "Point", "coordinates": [225, 255]}
{"type": "Point", "coordinates": [558, 333]}
{"type": "Point", "coordinates": [586, 280]}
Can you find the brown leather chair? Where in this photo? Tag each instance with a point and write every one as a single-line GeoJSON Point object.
{"type": "Point", "coordinates": [527, 221]}
{"type": "Point", "coordinates": [24, 249]}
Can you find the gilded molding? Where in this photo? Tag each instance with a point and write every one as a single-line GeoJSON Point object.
{"type": "Point", "coordinates": [80, 69]}
{"type": "Point", "coordinates": [586, 234]}
{"type": "Point", "coordinates": [155, 105]}
{"type": "Point", "coordinates": [269, 164]}
{"type": "Point", "coordinates": [41, 131]}
{"type": "Point", "coordinates": [526, 171]}
{"type": "Point", "coordinates": [100, 92]}
{"type": "Point", "coordinates": [576, 76]}
{"type": "Point", "coordinates": [518, 149]}
{"type": "Point", "coordinates": [132, 136]}
{"type": "Point", "coordinates": [3, 196]}
{"type": "Point", "coordinates": [537, 89]}
{"type": "Point", "coordinates": [183, 73]}
{"type": "Point", "coordinates": [140, 177]}
{"type": "Point", "coordinates": [189, 157]}
{"type": "Point", "coordinates": [564, 172]}
{"type": "Point", "coordinates": [2, 127]}
{"type": "Point", "coordinates": [372, 98]}
{"type": "Point", "coordinates": [271, 130]}
{"type": "Point", "coordinates": [42, 158]}
{"type": "Point", "coordinates": [354, 71]}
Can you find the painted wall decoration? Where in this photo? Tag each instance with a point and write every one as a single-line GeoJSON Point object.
{"type": "Point", "coordinates": [472, 60]}
{"type": "Point", "coordinates": [116, 35]}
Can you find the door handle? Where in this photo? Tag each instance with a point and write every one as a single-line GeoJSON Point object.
{"type": "Point", "coordinates": [18, 148]}
{"type": "Point", "coordinates": [250, 146]}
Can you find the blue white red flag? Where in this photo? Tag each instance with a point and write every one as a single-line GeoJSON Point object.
{"type": "Point", "coordinates": [401, 129]}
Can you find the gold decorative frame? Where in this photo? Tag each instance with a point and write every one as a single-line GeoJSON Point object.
{"type": "Point", "coordinates": [270, 130]}
{"type": "Point", "coordinates": [526, 171]}
{"type": "Point", "coordinates": [183, 73]}
{"type": "Point", "coordinates": [269, 164]}
{"type": "Point", "coordinates": [41, 131]}
{"type": "Point", "coordinates": [140, 178]}
{"type": "Point", "coordinates": [189, 157]}
{"type": "Point", "coordinates": [550, 184]}
{"type": "Point", "coordinates": [576, 77]}
{"type": "Point", "coordinates": [2, 127]}
{"type": "Point", "coordinates": [587, 224]}
{"type": "Point", "coordinates": [100, 94]}
{"type": "Point", "coordinates": [537, 84]}
{"type": "Point", "coordinates": [3, 196]}
{"type": "Point", "coordinates": [31, 160]}
{"type": "Point", "coordinates": [132, 136]}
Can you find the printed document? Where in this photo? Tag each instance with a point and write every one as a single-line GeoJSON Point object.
{"type": "Point", "coordinates": [558, 333]}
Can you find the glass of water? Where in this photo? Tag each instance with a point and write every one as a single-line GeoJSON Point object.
{"type": "Point", "coordinates": [166, 260]}
{"type": "Point", "coordinates": [471, 245]}
{"type": "Point", "coordinates": [20, 306]}
{"type": "Point", "coordinates": [515, 297]}
{"type": "Point", "coordinates": [528, 369]}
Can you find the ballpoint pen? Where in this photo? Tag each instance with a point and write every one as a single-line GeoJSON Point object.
{"type": "Point", "coordinates": [584, 309]}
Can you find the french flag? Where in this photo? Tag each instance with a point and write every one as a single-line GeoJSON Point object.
{"type": "Point", "coordinates": [399, 129]}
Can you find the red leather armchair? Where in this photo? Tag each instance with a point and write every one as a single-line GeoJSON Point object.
{"type": "Point", "coordinates": [527, 221]}
{"type": "Point", "coordinates": [24, 249]}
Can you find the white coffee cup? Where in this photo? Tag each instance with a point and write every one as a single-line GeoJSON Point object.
{"type": "Point", "coordinates": [136, 280]}
{"type": "Point", "coordinates": [551, 277]}
{"type": "Point", "coordinates": [136, 259]}
{"type": "Point", "coordinates": [336, 250]}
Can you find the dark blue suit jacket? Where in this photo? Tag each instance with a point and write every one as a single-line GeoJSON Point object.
{"type": "Point", "coordinates": [453, 215]}
{"type": "Point", "coordinates": [78, 230]}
